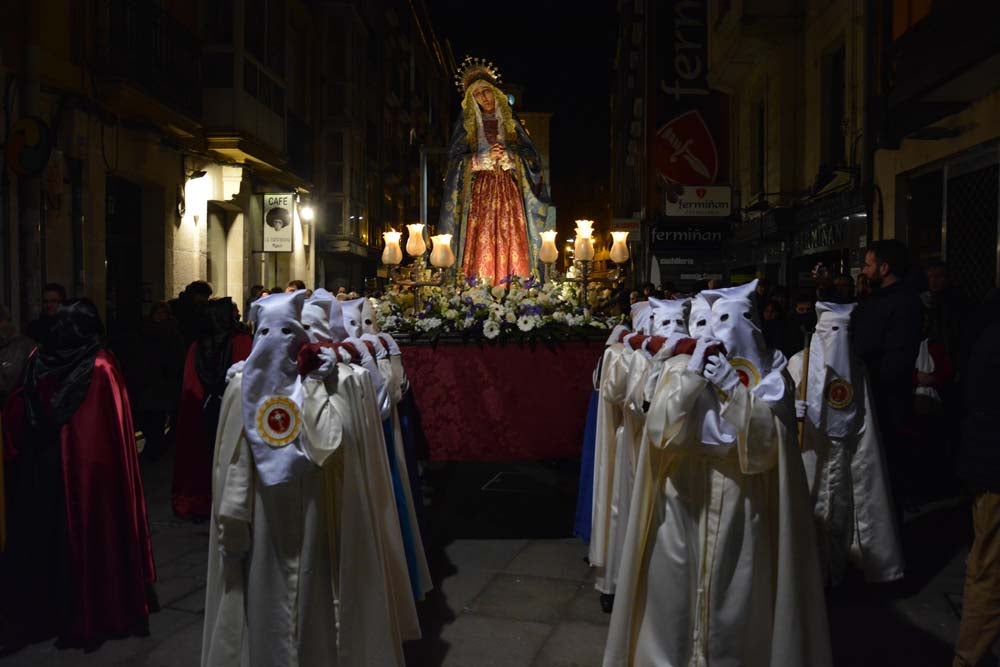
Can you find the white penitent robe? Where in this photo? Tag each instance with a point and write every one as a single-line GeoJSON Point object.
{"type": "Point", "coordinates": [270, 598]}
{"type": "Point", "coordinates": [720, 564]}
{"type": "Point", "coordinates": [637, 363]}
{"type": "Point", "coordinates": [366, 428]}
{"type": "Point", "coordinates": [849, 485]}
{"type": "Point", "coordinates": [391, 367]}
{"type": "Point", "coordinates": [612, 388]}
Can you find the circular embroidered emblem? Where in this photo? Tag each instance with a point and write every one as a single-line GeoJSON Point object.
{"type": "Point", "coordinates": [839, 394]}
{"type": "Point", "coordinates": [747, 372]}
{"type": "Point", "coordinates": [278, 421]}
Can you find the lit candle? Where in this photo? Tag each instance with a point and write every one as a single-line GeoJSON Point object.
{"type": "Point", "coordinates": [415, 245]}
{"type": "Point", "coordinates": [583, 249]}
{"type": "Point", "coordinates": [548, 253]}
{"type": "Point", "coordinates": [585, 227]}
{"type": "Point", "coordinates": [619, 249]}
{"type": "Point", "coordinates": [392, 254]}
{"type": "Point", "coordinates": [441, 253]}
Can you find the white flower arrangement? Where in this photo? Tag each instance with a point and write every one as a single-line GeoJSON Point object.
{"type": "Point", "coordinates": [515, 308]}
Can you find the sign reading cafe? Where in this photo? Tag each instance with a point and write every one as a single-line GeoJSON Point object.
{"type": "Point", "coordinates": [278, 218]}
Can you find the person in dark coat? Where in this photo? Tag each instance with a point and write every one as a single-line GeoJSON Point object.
{"type": "Point", "coordinates": [886, 330]}
{"type": "Point", "coordinates": [220, 345]}
{"type": "Point", "coordinates": [158, 383]}
{"type": "Point", "coordinates": [979, 467]}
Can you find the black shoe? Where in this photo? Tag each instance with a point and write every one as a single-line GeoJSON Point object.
{"type": "Point", "coordinates": [607, 602]}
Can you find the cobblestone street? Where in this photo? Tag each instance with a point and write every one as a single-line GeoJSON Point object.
{"type": "Point", "coordinates": [514, 589]}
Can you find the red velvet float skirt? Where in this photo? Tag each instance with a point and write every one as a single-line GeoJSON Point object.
{"type": "Point", "coordinates": [496, 239]}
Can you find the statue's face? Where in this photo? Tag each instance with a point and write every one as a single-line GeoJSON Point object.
{"type": "Point", "coordinates": [484, 98]}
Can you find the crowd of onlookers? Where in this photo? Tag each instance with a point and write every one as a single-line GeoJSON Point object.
{"type": "Point", "coordinates": [915, 330]}
{"type": "Point", "coordinates": [932, 358]}
{"type": "Point", "coordinates": [151, 358]}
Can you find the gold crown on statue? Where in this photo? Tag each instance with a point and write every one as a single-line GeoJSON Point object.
{"type": "Point", "coordinates": [474, 69]}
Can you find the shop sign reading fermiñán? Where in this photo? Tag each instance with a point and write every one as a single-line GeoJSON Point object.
{"type": "Point", "coordinates": [709, 201]}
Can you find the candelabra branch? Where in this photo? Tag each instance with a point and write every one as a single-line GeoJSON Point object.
{"type": "Point", "coordinates": [412, 276]}
{"type": "Point", "coordinates": [585, 278]}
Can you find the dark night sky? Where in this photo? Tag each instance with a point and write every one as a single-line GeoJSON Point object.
{"type": "Point", "coordinates": [562, 54]}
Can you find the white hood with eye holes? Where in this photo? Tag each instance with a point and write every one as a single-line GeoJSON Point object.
{"type": "Point", "coordinates": [734, 323]}
{"type": "Point", "coordinates": [700, 318]}
{"type": "Point", "coordinates": [641, 312]}
{"type": "Point", "coordinates": [345, 325]}
{"type": "Point", "coordinates": [830, 395]}
{"type": "Point", "coordinates": [369, 323]}
{"type": "Point", "coordinates": [272, 389]}
{"type": "Point", "coordinates": [316, 316]}
{"type": "Point", "coordinates": [668, 318]}
{"type": "Point", "coordinates": [345, 319]}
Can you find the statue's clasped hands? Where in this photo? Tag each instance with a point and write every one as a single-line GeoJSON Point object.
{"type": "Point", "coordinates": [497, 152]}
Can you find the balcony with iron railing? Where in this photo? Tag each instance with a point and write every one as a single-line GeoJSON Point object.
{"type": "Point", "coordinates": [142, 45]}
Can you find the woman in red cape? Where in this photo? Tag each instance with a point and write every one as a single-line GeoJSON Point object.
{"type": "Point", "coordinates": [79, 562]}
{"type": "Point", "coordinates": [220, 346]}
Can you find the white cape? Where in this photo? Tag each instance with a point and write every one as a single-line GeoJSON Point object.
{"type": "Point", "coordinates": [309, 585]}
{"type": "Point", "coordinates": [720, 564]}
{"type": "Point", "coordinates": [847, 478]}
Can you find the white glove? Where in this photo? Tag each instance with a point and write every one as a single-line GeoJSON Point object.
{"type": "Point", "coordinates": [234, 537]}
{"type": "Point", "coordinates": [721, 373]}
{"type": "Point", "coordinates": [329, 357]}
{"type": "Point", "coordinates": [800, 409]}
{"type": "Point", "coordinates": [697, 363]}
{"type": "Point", "coordinates": [234, 370]}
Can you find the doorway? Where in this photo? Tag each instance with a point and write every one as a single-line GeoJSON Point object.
{"type": "Point", "coordinates": [123, 255]}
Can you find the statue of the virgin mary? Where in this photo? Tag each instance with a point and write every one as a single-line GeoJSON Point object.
{"type": "Point", "coordinates": [495, 201]}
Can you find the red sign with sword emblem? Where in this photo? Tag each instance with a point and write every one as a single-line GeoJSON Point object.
{"type": "Point", "coordinates": [685, 152]}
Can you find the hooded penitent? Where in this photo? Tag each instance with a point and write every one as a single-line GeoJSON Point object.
{"type": "Point", "coordinates": [369, 323]}
{"type": "Point", "coordinates": [734, 323]}
{"type": "Point", "coordinates": [830, 392]}
{"type": "Point", "coordinates": [699, 319]}
{"type": "Point", "coordinates": [213, 357]}
{"type": "Point", "coordinates": [345, 326]}
{"type": "Point", "coordinates": [345, 319]}
{"type": "Point", "coordinates": [668, 317]}
{"type": "Point", "coordinates": [370, 327]}
{"type": "Point", "coordinates": [641, 312]}
{"type": "Point", "coordinates": [316, 316]}
{"type": "Point", "coordinates": [65, 362]}
{"type": "Point", "coordinates": [272, 389]}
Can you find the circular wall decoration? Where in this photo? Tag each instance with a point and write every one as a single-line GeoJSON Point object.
{"type": "Point", "coordinates": [29, 145]}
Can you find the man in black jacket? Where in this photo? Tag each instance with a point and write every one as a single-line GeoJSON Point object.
{"type": "Point", "coordinates": [979, 466]}
{"type": "Point", "coordinates": [886, 330]}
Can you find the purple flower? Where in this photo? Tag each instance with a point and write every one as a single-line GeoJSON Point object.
{"type": "Point", "coordinates": [468, 299]}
